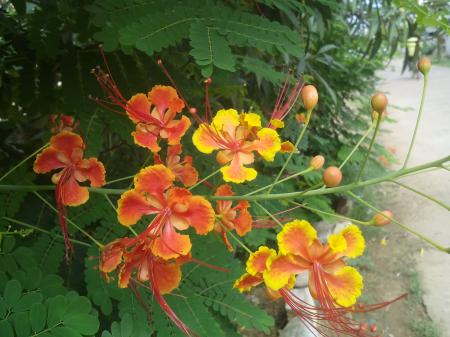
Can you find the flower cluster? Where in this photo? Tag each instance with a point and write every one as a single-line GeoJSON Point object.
{"type": "Point", "coordinates": [65, 154]}
{"type": "Point", "coordinates": [332, 283]}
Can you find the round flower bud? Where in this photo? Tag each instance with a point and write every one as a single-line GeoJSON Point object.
{"type": "Point", "coordinates": [424, 65]}
{"type": "Point", "coordinates": [310, 97]}
{"type": "Point", "coordinates": [317, 162]}
{"type": "Point", "coordinates": [380, 218]}
{"type": "Point", "coordinates": [332, 176]}
{"type": "Point", "coordinates": [379, 102]}
{"type": "Point", "coordinates": [192, 110]}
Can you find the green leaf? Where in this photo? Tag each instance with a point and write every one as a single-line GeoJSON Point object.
{"type": "Point", "coordinates": [8, 243]}
{"type": "Point", "coordinates": [22, 324]}
{"type": "Point", "coordinates": [38, 316]}
{"type": "Point", "coordinates": [27, 301]}
{"type": "Point", "coordinates": [6, 329]}
{"type": "Point", "coordinates": [63, 331]}
{"type": "Point", "coordinates": [12, 292]}
{"type": "Point", "coordinates": [83, 323]}
{"type": "Point", "coordinates": [126, 326]}
{"type": "Point", "coordinates": [210, 48]}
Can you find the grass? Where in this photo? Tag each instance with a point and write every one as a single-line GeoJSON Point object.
{"type": "Point", "coordinates": [424, 328]}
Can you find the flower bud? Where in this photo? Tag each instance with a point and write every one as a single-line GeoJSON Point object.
{"type": "Point", "coordinates": [424, 65]}
{"type": "Point", "coordinates": [332, 176]}
{"type": "Point", "coordinates": [310, 97]}
{"type": "Point", "coordinates": [379, 102]}
{"type": "Point", "coordinates": [317, 162]}
{"type": "Point", "coordinates": [192, 110]}
{"type": "Point", "coordinates": [380, 219]}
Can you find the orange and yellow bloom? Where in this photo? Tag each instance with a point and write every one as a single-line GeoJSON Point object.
{"type": "Point", "coordinates": [175, 209]}
{"type": "Point", "coordinates": [65, 155]}
{"type": "Point", "coordinates": [154, 115]}
{"type": "Point", "coordinates": [236, 137]}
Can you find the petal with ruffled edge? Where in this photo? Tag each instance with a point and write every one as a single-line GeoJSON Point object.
{"type": "Point", "coordinates": [295, 237]}
{"type": "Point", "coordinates": [166, 276]}
{"type": "Point", "coordinates": [268, 143]}
{"type": "Point", "coordinates": [280, 269]}
{"type": "Point", "coordinates": [111, 257]}
{"type": "Point", "coordinates": [47, 161]}
{"type": "Point", "coordinates": [288, 147]}
{"type": "Point", "coordinates": [348, 242]}
{"type": "Point", "coordinates": [243, 223]}
{"type": "Point", "coordinates": [91, 169]}
{"type": "Point", "coordinates": [132, 206]}
{"type": "Point", "coordinates": [175, 130]}
{"type": "Point", "coordinates": [204, 139]}
{"type": "Point", "coordinates": [147, 140]}
{"type": "Point", "coordinates": [345, 285]}
{"type": "Point", "coordinates": [226, 120]}
{"type": "Point", "coordinates": [170, 244]}
{"type": "Point", "coordinates": [66, 142]}
{"type": "Point", "coordinates": [252, 119]}
{"type": "Point", "coordinates": [71, 193]}
{"type": "Point", "coordinates": [276, 123]}
{"type": "Point", "coordinates": [199, 215]}
{"type": "Point", "coordinates": [237, 173]}
{"type": "Point", "coordinates": [246, 282]}
{"type": "Point", "coordinates": [187, 174]}
{"type": "Point", "coordinates": [154, 179]}
{"type": "Point", "coordinates": [138, 109]}
{"type": "Point", "coordinates": [256, 263]}
{"type": "Point", "coordinates": [165, 97]}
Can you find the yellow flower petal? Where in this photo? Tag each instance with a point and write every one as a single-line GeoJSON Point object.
{"type": "Point", "coordinates": [337, 243]}
{"type": "Point", "coordinates": [288, 147]}
{"type": "Point", "coordinates": [355, 241]}
{"type": "Point", "coordinates": [246, 282]}
{"type": "Point", "coordinates": [256, 263]}
{"type": "Point", "coordinates": [345, 286]}
{"type": "Point", "coordinates": [295, 237]}
{"type": "Point", "coordinates": [277, 123]}
{"type": "Point", "coordinates": [252, 119]}
{"type": "Point", "coordinates": [203, 139]}
{"type": "Point", "coordinates": [268, 144]}
{"type": "Point", "coordinates": [225, 119]}
{"type": "Point", "coordinates": [238, 173]}
{"type": "Point", "coordinates": [280, 270]}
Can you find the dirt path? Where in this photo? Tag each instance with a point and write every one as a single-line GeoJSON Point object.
{"type": "Point", "coordinates": [433, 142]}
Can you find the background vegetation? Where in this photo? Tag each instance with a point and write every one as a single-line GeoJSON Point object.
{"type": "Point", "coordinates": [47, 51]}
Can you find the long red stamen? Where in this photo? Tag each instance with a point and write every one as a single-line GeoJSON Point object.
{"type": "Point", "coordinates": [62, 210]}
{"type": "Point", "coordinates": [285, 103]}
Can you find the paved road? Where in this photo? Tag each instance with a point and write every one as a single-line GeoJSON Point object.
{"type": "Point", "coordinates": [433, 142]}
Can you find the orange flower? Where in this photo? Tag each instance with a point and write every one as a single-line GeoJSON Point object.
{"type": "Point", "coordinates": [236, 218]}
{"type": "Point", "coordinates": [65, 153]}
{"type": "Point", "coordinates": [175, 208]}
{"type": "Point", "coordinates": [237, 137]}
{"type": "Point", "coordinates": [154, 115]}
{"type": "Point", "coordinates": [136, 263]}
{"type": "Point", "coordinates": [182, 169]}
{"type": "Point", "coordinates": [332, 283]}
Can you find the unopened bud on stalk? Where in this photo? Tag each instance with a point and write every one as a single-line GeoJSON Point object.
{"type": "Point", "coordinates": [317, 162]}
{"type": "Point", "coordinates": [310, 97]}
{"type": "Point", "coordinates": [375, 115]}
{"type": "Point", "coordinates": [379, 102]}
{"type": "Point", "coordinates": [193, 110]}
{"type": "Point", "coordinates": [382, 218]}
{"type": "Point", "coordinates": [424, 65]}
{"type": "Point", "coordinates": [332, 176]}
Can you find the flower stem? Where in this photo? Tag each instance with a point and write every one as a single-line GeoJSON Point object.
{"type": "Point", "coordinates": [372, 141]}
{"type": "Point", "coordinates": [419, 116]}
{"type": "Point", "coordinates": [24, 224]}
{"type": "Point", "coordinates": [429, 197]}
{"type": "Point", "coordinates": [89, 236]}
{"type": "Point", "coordinates": [265, 210]}
{"type": "Point", "coordinates": [338, 216]}
{"type": "Point", "coordinates": [299, 139]}
{"type": "Point", "coordinates": [309, 169]}
{"type": "Point", "coordinates": [364, 136]}
{"type": "Point", "coordinates": [119, 179]}
{"type": "Point", "coordinates": [23, 161]}
{"type": "Point", "coordinates": [204, 179]}
{"type": "Point", "coordinates": [412, 231]}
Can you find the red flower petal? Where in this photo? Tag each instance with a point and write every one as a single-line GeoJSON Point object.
{"type": "Point", "coordinates": [132, 206]}
{"type": "Point", "coordinates": [92, 170]}
{"type": "Point", "coordinates": [47, 161]}
{"type": "Point", "coordinates": [175, 130]}
{"type": "Point", "coordinates": [66, 142]}
{"type": "Point", "coordinates": [138, 109]}
{"type": "Point", "coordinates": [165, 97]}
{"type": "Point", "coordinates": [154, 180]}
{"type": "Point", "coordinates": [147, 140]}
